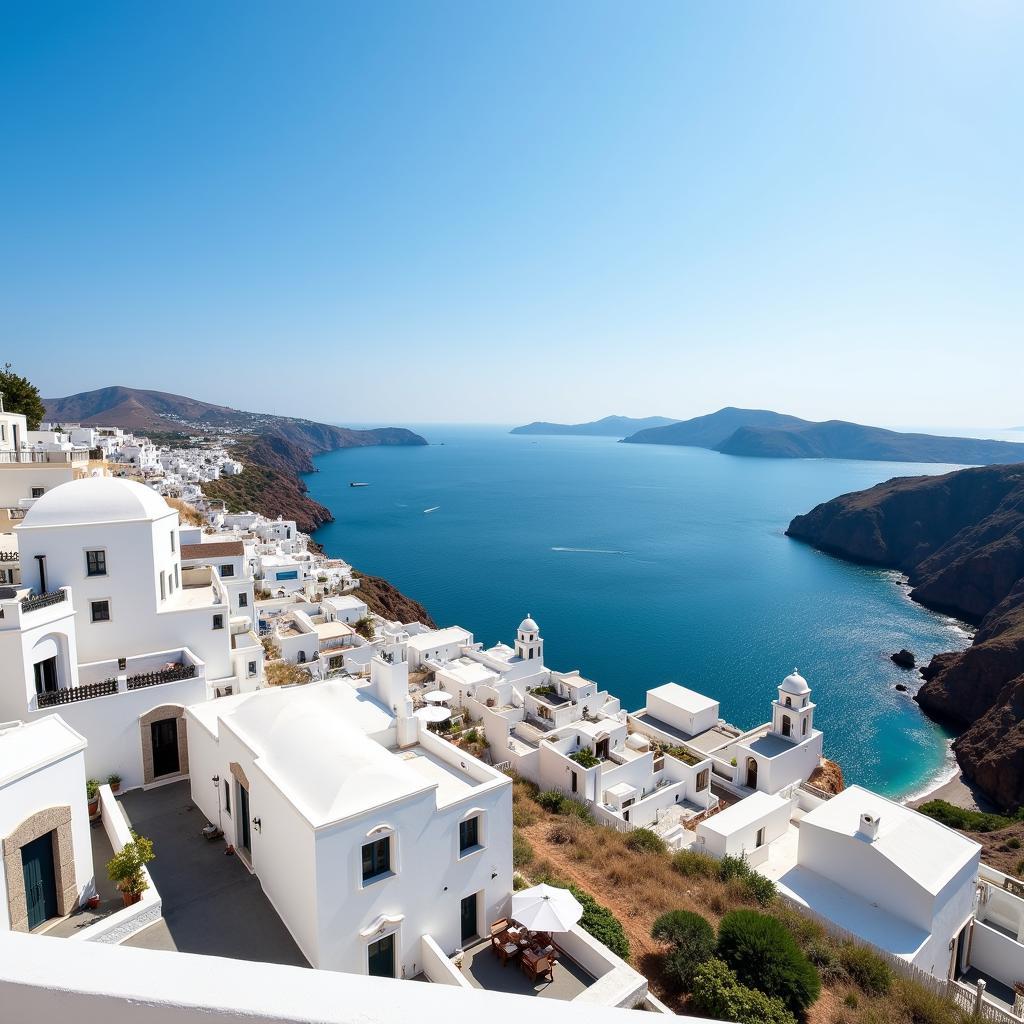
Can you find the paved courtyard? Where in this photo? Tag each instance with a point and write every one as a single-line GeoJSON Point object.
{"type": "Point", "coordinates": [482, 969]}
{"type": "Point", "coordinates": [211, 903]}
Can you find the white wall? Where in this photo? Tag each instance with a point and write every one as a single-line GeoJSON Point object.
{"type": "Point", "coordinates": [996, 954]}
{"type": "Point", "coordinates": [56, 784]}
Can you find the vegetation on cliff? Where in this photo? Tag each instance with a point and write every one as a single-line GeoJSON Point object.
{"type": "Point", "coordinates": [960, 540]}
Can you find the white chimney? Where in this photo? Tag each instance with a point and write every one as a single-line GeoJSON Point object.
{"type": "Point", "coordinates": [869, 826]}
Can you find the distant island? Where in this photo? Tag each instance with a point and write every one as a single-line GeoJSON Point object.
{"type": "Point", "coordinates": [610, 426]}
{"type": "Point", "coordinates": [764, 434]}
{"type": "Point", "coordinates": [960, 540]}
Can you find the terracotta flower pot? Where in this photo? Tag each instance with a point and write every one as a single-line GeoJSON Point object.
{"type": "Point", "coordinates": [94, 902]}
{"type": "Point", "coordinates": [131, 898]}
{"type": "Point", "coordinates": [94, 807]}
{"type": "Point", "coordinates": [115, 787]}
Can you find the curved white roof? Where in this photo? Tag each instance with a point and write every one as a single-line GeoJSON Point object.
{"type": "Point", "coordinates": [101, 499]}
{"type": "Point", "coordinates": [795, 683]}
{"type": "Point", "coordinates": [528, 626]}
{"type": "Point", "coordinates": [304, 739]}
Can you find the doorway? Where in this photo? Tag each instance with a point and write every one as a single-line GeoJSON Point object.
{"type": "Point", "coordinates": [40, 880]}
{"type": "Point", "coordinates": [244, 838]}
{"type": "Point", "coordinates": [751, 773]}
{"type": "Point", "coordinates": [164, 735]}
{"type": "Point", "coordinates": [468, 917]}
{"type": "Point", "coordinates": [380, 958]}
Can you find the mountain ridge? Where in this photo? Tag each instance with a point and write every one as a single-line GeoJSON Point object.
{"type": "Point", "coordinates": [762, 433]}
{"type": "Point", "coordinates": [608, 426]}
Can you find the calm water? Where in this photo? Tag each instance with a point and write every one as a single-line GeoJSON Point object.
{"type": "Point", "coordinates": [644, 564]}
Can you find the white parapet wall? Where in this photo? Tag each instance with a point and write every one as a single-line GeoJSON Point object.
{"type": "Point", "coordinates": [123, 923]}
{"type": "Point", "coordinates": [97, 984]}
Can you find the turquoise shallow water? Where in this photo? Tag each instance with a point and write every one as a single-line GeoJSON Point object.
{"type": "Point", "coordinates": [645, 563]}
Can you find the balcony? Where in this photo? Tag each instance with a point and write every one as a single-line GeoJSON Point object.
{"type": "Point", "coordinates": [73, 694]}
{"type": "Point", "coordinates": [57, 457]}
{"type": "Point", "coordinates": [34, 602]}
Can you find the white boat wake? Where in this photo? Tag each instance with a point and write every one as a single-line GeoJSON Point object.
{"type": "Point", "coordinates": [592, 551]}
{"type": "Point", "coordinates": [434, 509]}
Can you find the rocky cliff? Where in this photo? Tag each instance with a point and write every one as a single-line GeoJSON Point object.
{"type": "Point", "coordinates": [960, 540]}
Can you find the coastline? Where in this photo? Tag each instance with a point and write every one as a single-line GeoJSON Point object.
{"type": "Point", "coordinates": [957, 790]}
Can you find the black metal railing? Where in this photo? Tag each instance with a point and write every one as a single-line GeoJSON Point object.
{"type": "Point", "coordinates": [76, 693]}
{"type": "Point", "coordinates": [34, 602]}
{"type": "Point", "coordinates": [163, 675]}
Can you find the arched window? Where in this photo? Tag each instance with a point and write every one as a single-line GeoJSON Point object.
{"type": "Point", "coordinates": [789, 703]}
{"type": "Point", "coordinates": [787, 727]}
{"type": "Point", "coordinates": [805, 726]}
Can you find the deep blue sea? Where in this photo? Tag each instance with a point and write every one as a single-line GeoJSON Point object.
{"type": "Point", "coordinates": [647, 563]}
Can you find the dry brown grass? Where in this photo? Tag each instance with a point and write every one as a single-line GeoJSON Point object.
{"type": "Point", "coordinates": [638, 887]}
{"type": "Point", "coordinates": [187, 513]}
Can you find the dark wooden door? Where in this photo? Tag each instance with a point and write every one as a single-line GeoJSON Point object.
{"type": "Point", "coordinates": [165, 747]}
{"type": "Point", "coordinates": [40, 880]}
{"type": "Point", "coordinates": [243, 817]}
{"type": "Point", "coordinates": [469, 926]}
{"type": "Point", "coordinates": [380, 957]}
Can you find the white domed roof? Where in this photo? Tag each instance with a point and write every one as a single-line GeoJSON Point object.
{"type": "Point", "coordinates": [795, 683]}
{"type": "Point", "coordinates": [98, 499]}
{"type": "Point", "coordinates": [528, 625]}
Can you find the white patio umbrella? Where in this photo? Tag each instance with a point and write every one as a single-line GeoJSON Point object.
{"type": "Point", "coordinates": [433, 714]}
{"type": "Point", "coordinates": [437, 697]}
{"type": "Point", "coordinates": [543, 908]}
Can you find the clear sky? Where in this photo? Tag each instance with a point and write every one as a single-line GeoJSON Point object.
{"type": "Point", "coordinates": [471, 211]}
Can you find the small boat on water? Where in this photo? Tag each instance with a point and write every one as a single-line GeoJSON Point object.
{"type": "Point", "coordinates": [434, 509]}
{"type": "Point", "coordinates": [357, 483]}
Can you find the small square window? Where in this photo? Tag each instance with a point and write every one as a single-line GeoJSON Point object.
{"type": "Point", "coordinates": [218, 622]}
{"type": "Point", "coordinates": [252, 668]}
{"type": "Point", "coordinates": [96, 563]}
{"type": "Point", "coordinates": [243, 600]}
{"type": "Point", "coordinates": [376, 859]}
{"type": "Point", "coordinates": [226, 571]}
{"type": "Point", "coordinates": [38, 492]}
{"type": "Point", "coordinates": [100, 611]}
{"type": "Point", "coordinates": [469, 834]}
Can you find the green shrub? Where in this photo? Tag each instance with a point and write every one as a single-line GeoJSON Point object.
{"type": "Point", "coordinates": [551, 800]}
{"type": "Point", "coordinates": [585, 758]}
{"type": "Point", "coordinates": [1013, 843]}
{"type": "Point", "coordinates": [692, 940]}
{"type": "Point", "coordinates": [643, 840]}
{"type": "Point", "coordinates": [717, 992]}
{"type": "Point", "coordinates": [867, 970]}
{"type": "Point", "coordinates": [600, 922]}
{"type": "Point", "coordinates": [765, 956]}
{"type": "Point", "coordinates": [924, 1006]}
{"type": "Point", "coordinates": [471, 736]}
{"type": "Point", "coordinates": [825, 957]}
{"type": "Point", "coordinates": [694, 865]}
{"type": "Point", "coordinates": [732, 867]}
{"type": "Point", "coordinates": [575, 809]}
{"type": "Point", "coordinates": [958, 817]}
{"type": "Point", "coordinates": [522, 851]}
{"type": "Point", "coordinates": [760, 889]}
{"type": "Point", "coordinates": [125, 867]}
{"type": "Point", "coordinates": [851, 1000]}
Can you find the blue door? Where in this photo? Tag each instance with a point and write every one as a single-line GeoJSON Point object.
{"type": "Point", "coordinates": [40, 881]}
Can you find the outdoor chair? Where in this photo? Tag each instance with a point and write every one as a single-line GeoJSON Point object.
{"type": "Point", "coordinates": [499, 926]}
{"type": "Point", "coordinates": [539, 967]}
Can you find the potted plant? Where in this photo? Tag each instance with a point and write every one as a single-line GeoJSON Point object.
{"type": "Point", "coordinates": [125, 868]}
{"type": "Point", "coordinates": [114, 782]}
{"type": "Point", "coordinates": [92, 793]}
{"type": "Point", "coordinates": [94, 901]}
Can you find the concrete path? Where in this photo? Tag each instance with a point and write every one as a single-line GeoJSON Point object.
{"type": "Point", "coordinates": [211, 903]}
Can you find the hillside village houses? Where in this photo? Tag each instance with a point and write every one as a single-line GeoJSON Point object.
{"type": "Point", "coordinates": [134, 645]}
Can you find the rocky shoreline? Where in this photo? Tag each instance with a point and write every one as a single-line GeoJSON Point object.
{"type": "Point", "coordinates": [959, 538]}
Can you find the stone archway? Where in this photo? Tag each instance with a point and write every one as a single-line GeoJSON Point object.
{"type": "Point", "coordinates": [164, 711]}
{"type": "Point", "coordinates": [51, 819]}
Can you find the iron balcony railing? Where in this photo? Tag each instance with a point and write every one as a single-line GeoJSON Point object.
{"type": "Point", "coordinates": [34, 602]}
{"type": "Point", "coordinates": [163, 675]}
{"type": "Point", "coordinates": [45, 456]}
{"type": "Point", "coordinates": [76, 693]}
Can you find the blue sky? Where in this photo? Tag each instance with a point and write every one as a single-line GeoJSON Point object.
{"type": "Point", "coordinates": [470, 211]}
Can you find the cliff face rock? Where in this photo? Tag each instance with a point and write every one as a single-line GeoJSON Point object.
{"type": "Point", "coordinates": [385, 599]}
{"type": "Point", "coordinates": [960, 540]}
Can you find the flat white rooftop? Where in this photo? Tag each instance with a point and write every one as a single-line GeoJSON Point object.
{"type": "Point", "coordinates": [687, 700]}
{"type": "Point", "coordinates": [451, 783]}
{"type": "Point", "coordinates": [31, 746]}
{"type": "Point", "coordinates": [742, 813]}
{"type": "Point", "coordinates": [469, 672]}
{"type": "Point", "coordinates": [440, 638]}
